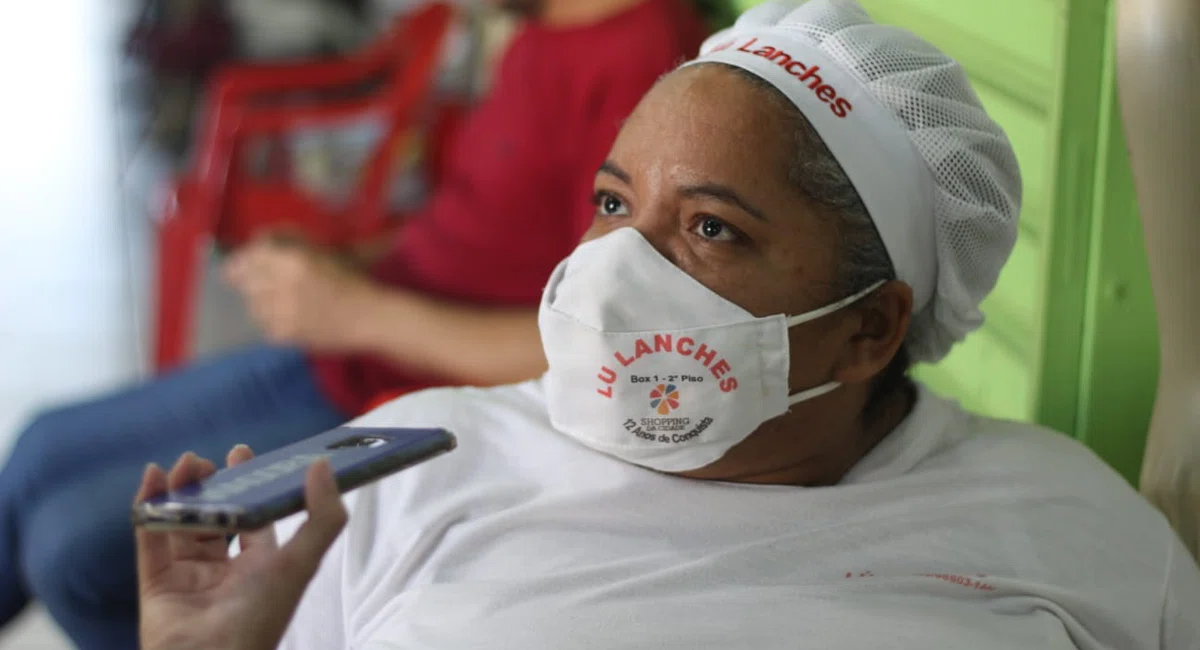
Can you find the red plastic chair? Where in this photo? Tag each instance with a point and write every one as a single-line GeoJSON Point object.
{"type": "Point", "coordinates": [218, 201]}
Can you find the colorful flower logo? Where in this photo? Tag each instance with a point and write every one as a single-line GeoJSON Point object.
{"type": "Point", "coordinates": [664, 398]}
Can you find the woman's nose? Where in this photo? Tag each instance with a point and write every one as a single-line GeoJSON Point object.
{"type": "Point", "coordinates": [661, 229]}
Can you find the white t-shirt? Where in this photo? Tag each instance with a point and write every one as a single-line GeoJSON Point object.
{"type": "Point", "coordinates": [955, 532]}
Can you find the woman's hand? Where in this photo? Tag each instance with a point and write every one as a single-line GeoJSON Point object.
{"type": "Point", "coordinates": [302, 296]}
{"type": "Point", "coordinates": [194, 596]}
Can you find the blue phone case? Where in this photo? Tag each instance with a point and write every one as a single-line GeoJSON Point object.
{"type": "Point", "coordinates": [271, 487]}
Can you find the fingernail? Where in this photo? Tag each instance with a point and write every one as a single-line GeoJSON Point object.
{"type": "Point", "coordinates": [326, 469]}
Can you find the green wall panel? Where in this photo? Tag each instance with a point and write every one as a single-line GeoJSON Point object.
{"type": "Point", "coordinates": [1013, 310]}
{"type": "Point", "coordinates": [1066, 257]}
{"type": "Point", "coordinates": [1011, 45]}
{"type": "Point", "coordinates": [1119, 367]}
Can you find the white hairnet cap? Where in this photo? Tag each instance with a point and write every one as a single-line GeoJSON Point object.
{"type": "Point", "coordinates": [937, 175]}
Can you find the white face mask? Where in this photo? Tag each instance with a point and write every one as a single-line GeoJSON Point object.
{"type": "Point", "coordinates": [652, 367]}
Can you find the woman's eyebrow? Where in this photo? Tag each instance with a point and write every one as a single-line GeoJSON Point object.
{"type": "Point", "coordinates": [723, 194]}
{"type": "Point", "coordinates": [610, 168]}
{"type": "Point", "coordinates": [704, 190]}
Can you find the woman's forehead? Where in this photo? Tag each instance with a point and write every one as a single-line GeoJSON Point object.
{"type": "Point", "coordinates": [710, 121]}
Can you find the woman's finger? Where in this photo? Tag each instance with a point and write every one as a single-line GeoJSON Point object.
{"type": "Point", "coordinates": [250, 263]}
{"type": "Point", "coordinates": [154, 483]}
{"type": "Point", "coordinates": [190, 468]}
{"type": "Point", "coordinates": [276, 317]}
{"type": "Point", "coordinates": [241, 264]}
{"type": "Point", "coordinates": [264, 538]}
{"type": "Point", "coordinates": [238, 455]}
{"type": "Point", "coordinates": [153, 548]}
{"type": "Point", "coordinates": [326, 518]}
{"type": "Point", "coordinates": [194, 545]}
{"type": "Point", "coordinates": [260, 287]}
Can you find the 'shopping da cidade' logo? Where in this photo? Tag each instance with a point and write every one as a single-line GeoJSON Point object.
{"type": "Point", "coordinates": [664, 398]}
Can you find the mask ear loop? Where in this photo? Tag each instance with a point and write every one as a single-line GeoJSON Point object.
{"type": "Point", "coordinates": [817, 391]}
{"type": "Point", "coordinates": [837, 306]}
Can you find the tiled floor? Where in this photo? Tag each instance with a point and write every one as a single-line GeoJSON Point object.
{"type": "Point", "coordinates": [74, 227]}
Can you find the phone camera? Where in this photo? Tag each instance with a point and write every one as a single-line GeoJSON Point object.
{"type": "Point", "coordinates": [359, 442]}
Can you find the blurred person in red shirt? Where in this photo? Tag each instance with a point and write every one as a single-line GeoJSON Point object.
{"type": "Point", "coordinates": [452, 302]}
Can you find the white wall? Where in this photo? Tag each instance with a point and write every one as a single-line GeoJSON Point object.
{"type": "Point", "coordinates": [66, 321]}
{"type": "Point", "coordinates": [66, 324]}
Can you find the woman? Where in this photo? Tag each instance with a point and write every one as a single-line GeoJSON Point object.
{"type": "Point", "coordinates": [699, 470]}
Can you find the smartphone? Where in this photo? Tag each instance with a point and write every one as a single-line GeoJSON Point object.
{"type": "Point", "coordinates": [270, 487]}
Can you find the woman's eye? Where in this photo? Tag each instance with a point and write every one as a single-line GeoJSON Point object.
{"type": "Point", "coordinates": [610, 206]}
{"type": "Point", "coordinates": [714, 230]}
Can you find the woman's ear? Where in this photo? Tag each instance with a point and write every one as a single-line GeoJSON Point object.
{"type": "Point", "coordinates": [884, 318]}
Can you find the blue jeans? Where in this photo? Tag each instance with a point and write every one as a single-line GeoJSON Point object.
{"type": "Point", "coordinates": [65, 494]}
